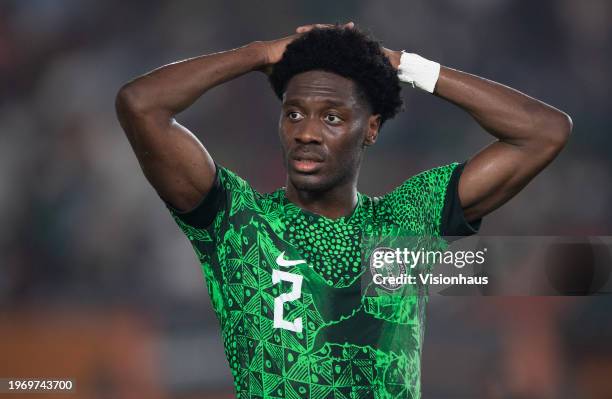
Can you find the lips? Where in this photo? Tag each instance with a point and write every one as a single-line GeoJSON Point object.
{"type": "Point", "coordinates": [306, 162]}
{"type": "Point", "coordinates": [306, 165]}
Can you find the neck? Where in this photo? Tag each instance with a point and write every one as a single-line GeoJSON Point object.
{"type": "Point", "coordinates": [335, 203]}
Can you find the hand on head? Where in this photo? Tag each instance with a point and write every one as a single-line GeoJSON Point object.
{"type": "Point", "coordinates": [274, 49]}
{"type": "Point", "coordinates": [306, 28]}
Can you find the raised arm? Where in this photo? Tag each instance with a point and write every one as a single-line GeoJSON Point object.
{"type": "Point", "coordinates": [174, 161]}
{"type": "Point", "coordinates": [529, 134]}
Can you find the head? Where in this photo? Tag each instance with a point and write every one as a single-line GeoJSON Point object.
{"type": "Point", "coordinates": [337, 89]}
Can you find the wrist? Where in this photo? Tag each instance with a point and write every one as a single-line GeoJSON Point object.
{"type": "Point", "coordinates": [418, 71]}
{"type": "Point", "coordinates": [394, 57]}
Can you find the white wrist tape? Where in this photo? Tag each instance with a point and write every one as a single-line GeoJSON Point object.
{"type": "Point", "coordinates": [418, 71]}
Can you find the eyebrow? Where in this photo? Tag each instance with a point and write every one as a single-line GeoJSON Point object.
{"type": "Point", "coordinates": [330, 102]}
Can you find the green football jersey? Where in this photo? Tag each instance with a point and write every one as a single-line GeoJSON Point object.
{"type": "Point", "coordinates": [286, 287]}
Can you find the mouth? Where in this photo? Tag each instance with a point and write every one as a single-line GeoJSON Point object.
{"type": "Point", "coordinates": [306, 164]}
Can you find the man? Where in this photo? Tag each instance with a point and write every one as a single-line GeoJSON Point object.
{"type": "Point", "coordinates": [283, 268]}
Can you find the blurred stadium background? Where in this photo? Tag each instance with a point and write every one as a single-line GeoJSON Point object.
{"type": "Point", "coordinates": [96, 281]}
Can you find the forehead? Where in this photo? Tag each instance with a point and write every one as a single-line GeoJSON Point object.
{"type": "Point", "coordinates": [321, 85]}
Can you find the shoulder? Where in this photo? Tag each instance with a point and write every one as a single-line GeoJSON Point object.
{"type": "Point", "coordinates": [430, 179]}
{"type": "Point", "coordinates": [243, 197]}
{"type": "Point", "coordinates": [417, 203]}
{"type": "Point", "coordinates": [422, 186]}
{"type": "Point", "coordinates": [230, 180]}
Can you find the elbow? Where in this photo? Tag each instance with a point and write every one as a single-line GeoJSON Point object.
{"type": "Point", "coordinates": [562, 129]}
{"type": "Point", "coordinates": [555, 132]}
{"type": "Point", "coordinates": [129, 100]}
{"type": "Point", "coordinates": [136, 101]}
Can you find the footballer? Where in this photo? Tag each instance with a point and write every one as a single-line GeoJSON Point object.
{"type": "Point", "coordinates": [283, 269]}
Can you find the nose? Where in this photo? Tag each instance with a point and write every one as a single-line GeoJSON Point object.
{"type": "Point", "coordinates": [309, 132]}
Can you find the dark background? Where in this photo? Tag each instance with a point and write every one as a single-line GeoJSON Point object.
{"type": "Point", "coordinates": [97, 282]}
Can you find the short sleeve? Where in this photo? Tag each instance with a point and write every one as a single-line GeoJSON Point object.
{"type": "Point", "coordinates": [427, 203]}
{"type": "Point", "coordinates": [453, 222]}
{"type": "Point", "coordinates": [209, 207]}
{"type": "Point", "coordinates": [228, 195]}
{"type": "Point", "coordinates": [208, 223]}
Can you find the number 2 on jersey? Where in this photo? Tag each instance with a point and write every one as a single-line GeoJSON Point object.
{"type": "Point", "coordinates": [295, 293]}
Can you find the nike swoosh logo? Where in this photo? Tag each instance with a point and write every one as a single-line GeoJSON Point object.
{"type": "Point", "coordinates": [281, 261]}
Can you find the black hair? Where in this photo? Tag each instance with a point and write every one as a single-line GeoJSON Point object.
{"type": "Point", "coordinates": [350, 53]}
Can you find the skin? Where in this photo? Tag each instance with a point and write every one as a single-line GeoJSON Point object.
{"type": "Point", "coordinates": [324, 118]}
{"type": "Point", "coordinates": [528, 133]}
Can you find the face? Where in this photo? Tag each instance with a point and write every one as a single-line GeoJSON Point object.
{"type": "Point", "coordinates": [324, 127]}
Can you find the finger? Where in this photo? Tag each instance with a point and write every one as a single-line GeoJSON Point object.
{"type": "Point", "coordinates": [306, 28]}
{"type": "Point", "coordinates": [349, 25]}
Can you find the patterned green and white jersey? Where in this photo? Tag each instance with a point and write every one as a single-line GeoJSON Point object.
{"type": "Point", "coordinates": [285, 285]}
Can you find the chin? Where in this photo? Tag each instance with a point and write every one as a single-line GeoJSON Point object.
{"type": "Point", "coordinates": [304, 182]}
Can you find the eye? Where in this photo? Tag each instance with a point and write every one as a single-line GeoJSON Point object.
{"type": "Point", "coordinates": [333, 119]}
{"type": "Point", "coordinates": [294, 116]}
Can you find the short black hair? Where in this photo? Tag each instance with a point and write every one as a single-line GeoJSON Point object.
{"type": "Point", "coordinates": [350, 53]}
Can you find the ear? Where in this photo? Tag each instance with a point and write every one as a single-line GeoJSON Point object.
{"type": "Point", "coordinates": [372, 133]}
